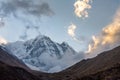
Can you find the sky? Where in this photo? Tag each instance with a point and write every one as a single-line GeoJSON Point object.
{"type": "Point", "coordinates": [71, 21]}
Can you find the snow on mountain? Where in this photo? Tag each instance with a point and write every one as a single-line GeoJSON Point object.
{"type": "Point", "coordinates": [43, 54]}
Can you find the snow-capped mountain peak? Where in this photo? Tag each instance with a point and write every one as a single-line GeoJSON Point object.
{"type": "Point", "coordinates": [43, 53]}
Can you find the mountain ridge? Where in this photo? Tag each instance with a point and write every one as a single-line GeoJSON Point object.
{"type": "Point", "coordinates": [87, 67]}
{"type": "Point", "coordinates": [44, 54]}
{"type": "Point", "coordinates": [105, 66]}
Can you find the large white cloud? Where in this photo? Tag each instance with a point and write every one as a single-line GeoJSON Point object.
{"type": "Point", "coordinates": [82, 7]}
{"type": "Point", "coordinates": [107, 39]}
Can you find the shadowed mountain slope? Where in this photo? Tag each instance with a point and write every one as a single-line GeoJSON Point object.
{"type": "Point", "coordinates": [102, 62]}
{"type": "Point", "coordinates": [106, 66]}
{"type": "Point", "coordinates": [12, 68]}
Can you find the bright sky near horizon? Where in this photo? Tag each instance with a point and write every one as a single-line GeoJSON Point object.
{"type": "Point", "coordinates": [56, 19]}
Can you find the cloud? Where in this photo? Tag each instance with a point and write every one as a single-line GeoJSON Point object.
{"type": "Point", "coordinates": [27, 7]}
{"type": "Point", "coordinates": [24, 35]}
{"type": "Point", "coordinates": [2, 41]}
{"type": "Point", "coordinates": [82, 7]}
{"type": "Point", "coordinates": [108, 38]}
{"type": "Point", "coordinates": [71, 30]}
{"type": "Point", "coordinates": [81, 10]}
{"type": "Point", "coordinates": [1, 22]}
{"type": "Point", "coordinates": [27, 11]}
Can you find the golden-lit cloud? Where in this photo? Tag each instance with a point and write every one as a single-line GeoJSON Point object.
{"type": "Point", "coordinates": [108, 38]}
{"type": "Point", "coordinates": [81, 10]}
{"type": "Point", "coordinates": [71, 30]}
{"type": "Point", "coordinates": [82, 7]}
{"type": "Point", "coordinates": [2, 41]}
{"type": "Point", "coordinates": [71, 33]}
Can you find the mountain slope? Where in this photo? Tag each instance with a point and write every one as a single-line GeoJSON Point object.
{"type": "Point", "coordinates": [8, 72]}
{"type": "Point", "coordinates": [43, 54]}
{"type": "Point", "coordinates": [112, 73]}
{"type": "Point", "coordinates": [10, 59]}
{"type": "Point", "coordinates": [106, 66]}
{"type": "Point", "coordinates": [102, 62]}
{"type": "Point", "coordinates": [12, 68]}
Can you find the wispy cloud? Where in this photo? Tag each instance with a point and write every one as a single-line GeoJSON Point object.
{"type": "Point", "coordinates": [108, 38]}
{"type": "Point", "coordinates": [1, 22]}
{"type": "Point", "coordinates": [27, 7]}
{"type": "Point", "coordinates": [2, 41]}
{"type": "Point", "coordinates": [27, 11]}
{"type": "Point", "coordinates": [82, 7]}
{"type": "Point", "coordinates": [71, 30]}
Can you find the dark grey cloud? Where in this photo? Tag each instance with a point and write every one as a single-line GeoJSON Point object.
{"type": "Point", "coordinates": [35, 8]}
